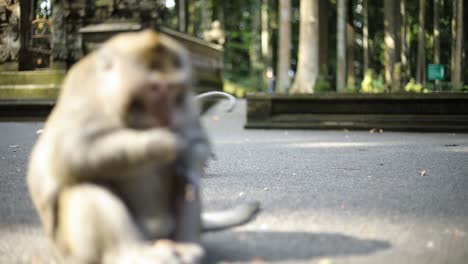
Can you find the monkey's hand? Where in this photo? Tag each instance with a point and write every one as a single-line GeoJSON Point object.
{"type": "Point", "coordinates": [193, 151]}
{"type": "Point", "coordinates": [120, 151]}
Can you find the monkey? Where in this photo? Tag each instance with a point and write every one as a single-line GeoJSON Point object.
{"type": "Point", "coordinates": [115, 173]}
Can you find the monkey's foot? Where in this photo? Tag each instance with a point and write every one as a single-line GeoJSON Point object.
{"type": "Point", "coordinates": [183, 253]}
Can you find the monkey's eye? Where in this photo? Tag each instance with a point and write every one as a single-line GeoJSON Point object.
{"type": "Point", "coordinates": [155, 64]}
{"type": "Point", "coordinates": [176, 62]}
{"type": "Point", "coordinates": [137, 106]}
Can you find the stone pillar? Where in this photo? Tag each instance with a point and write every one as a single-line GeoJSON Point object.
{"type": "Point", "coordinates": [59, 57]}
{"type": "Point", "coordinates": [9, 35]}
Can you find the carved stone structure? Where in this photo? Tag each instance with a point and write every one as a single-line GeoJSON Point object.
{"type": "Point", "coordinates": [9, 30]}
{"type": "Point", "coordinates": [215, 34]}
{"type": "Point", "coordinates": [71, 16]}
{"type": "Point", "coordinates": [59, 38]}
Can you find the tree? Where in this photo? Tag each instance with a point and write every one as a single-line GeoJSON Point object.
{"type": "Point", "coordinates": [350, 46]}
{"type": "Point", "coordinates": [256, 64]}
{"type": "Point", "coordinates": [205, 18]}
{"type": "Point", "coordinates": [405, 69]}
{"type": "Point", "coordinates": [365, 34]}
{"type": "Point", "coordinates": [421, 61]}
{"type": "Point", "coordinates": [457, 47]}
{"type": "Point", "coordinates": [341, 46]}
{"type": "Point", "coordinates": [182, 15]}
{"type": "Point", "coordinates": [391, 42]}
{"type": "Point", "coordinates": [324, 9]}
{"type": "Point", "coordinates": [308, 61]}
{"type": "Point", "coordinates": [437, 6]}
{"type": "Point", "coordinates": [191, 17]}
{"type": "Point", "coordinates": [284, 47]}
{"type": "Point", "coordinates": [267, 54]}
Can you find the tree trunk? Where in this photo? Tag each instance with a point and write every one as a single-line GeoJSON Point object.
{"type": "Point", "coordinates": [205, 18]}
{"type": "Point", "coordinates": [191, 17]}
{"type": "Point", "coordinates": [256, 65]}
{"type": "Point", "coordinates": [397, 72]}
{"type": "Point", "coordinates": [404, 48]}
{"type": "Point", "coordinates": [324, 9]}
{"type": "Point", "coordinates": [267, 54]}
{"type": "Point", "coordinates": [365, 34]}
{"type": "Point", "coordinates": [217, 11]}
{"type": "Point", "coordinates": [26, 13]}
{"type": "Point", "coordinates": [421, 45]}
{"type": "Point", "coordinates": [457, 58]}
{"type": "Point", "coordinates": [409, 73]}
{"type": "Point", "coordinates": [437, 6]}
{"type": "Point", "coordinates": [390, 44]}
{"type": "Point", "coordinates": [307, 66]}
{"type": "Point", "coordinates": [341, 46]}
{"type": "Point", "coordinates": [182, 15]}
{"type": "Point", "coordinates": [350, 47]}
{"type": "Point", "coordinates": [284, 47]}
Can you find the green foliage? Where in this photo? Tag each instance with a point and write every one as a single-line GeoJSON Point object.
{"type": "Point", "coordinates": [351, 85]}
{"type": "Point", "coordinates": [371, 85]}
{"type": "Point", "coordinates": [414, 87]}
{"type": "Point", "coordinates": [322, 85]}
{"type": "Point", "coordinates": [237, 89]}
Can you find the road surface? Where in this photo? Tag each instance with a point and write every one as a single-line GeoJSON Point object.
{"type": "Point", "coordinates": [327, 196]}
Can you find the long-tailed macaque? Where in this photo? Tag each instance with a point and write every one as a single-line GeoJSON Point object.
{"type": "Point", "coordinates": [118, 164]}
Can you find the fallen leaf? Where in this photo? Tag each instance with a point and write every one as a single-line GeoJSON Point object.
{"type": "Point", "coordinates": [458, 233]}
{"type": "Point", "coordinates": [376, 130]}
{"type": "Point", "coordinates": [257, 260]}
{"type": "Point", "coordinates": [430, 244]}
{"type": "Point", "coordinates": [324, 261]}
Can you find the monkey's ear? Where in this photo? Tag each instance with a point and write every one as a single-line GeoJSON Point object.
{"type": "Point", "coordinates": [104, 59]}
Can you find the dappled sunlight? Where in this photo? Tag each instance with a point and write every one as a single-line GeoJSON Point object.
{"type": "Point", "coordinates": [456, 149]}
{"type": "Point", "coordinates": [338, 144]}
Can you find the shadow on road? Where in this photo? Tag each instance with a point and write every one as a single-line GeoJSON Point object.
{"type": "Point", "coordinates": [288, 246]}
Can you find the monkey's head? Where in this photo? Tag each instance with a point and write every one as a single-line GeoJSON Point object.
{"type": "Point", "coordinates": [145, 78]}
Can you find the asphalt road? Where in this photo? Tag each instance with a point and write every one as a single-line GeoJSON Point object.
{"type": "Point", "coordinates": [327, 196]}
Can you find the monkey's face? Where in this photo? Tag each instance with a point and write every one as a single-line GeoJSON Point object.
{"type": "Point", "coordinates": [147, 78]}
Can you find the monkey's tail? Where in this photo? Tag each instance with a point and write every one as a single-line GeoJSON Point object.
{"type": "Point", "coordinates": [241, 214]}
{"type": "Point", "coordinates": [232, 99]}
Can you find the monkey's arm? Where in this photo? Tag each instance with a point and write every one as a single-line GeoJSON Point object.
{"type": "Point", "coordinates": [114, 153]}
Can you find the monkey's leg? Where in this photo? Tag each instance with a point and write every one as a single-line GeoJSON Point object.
{"type": "Point", "coordinates": [93, 223]}
{"type": "Point", "coordinates": [96, 227]}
